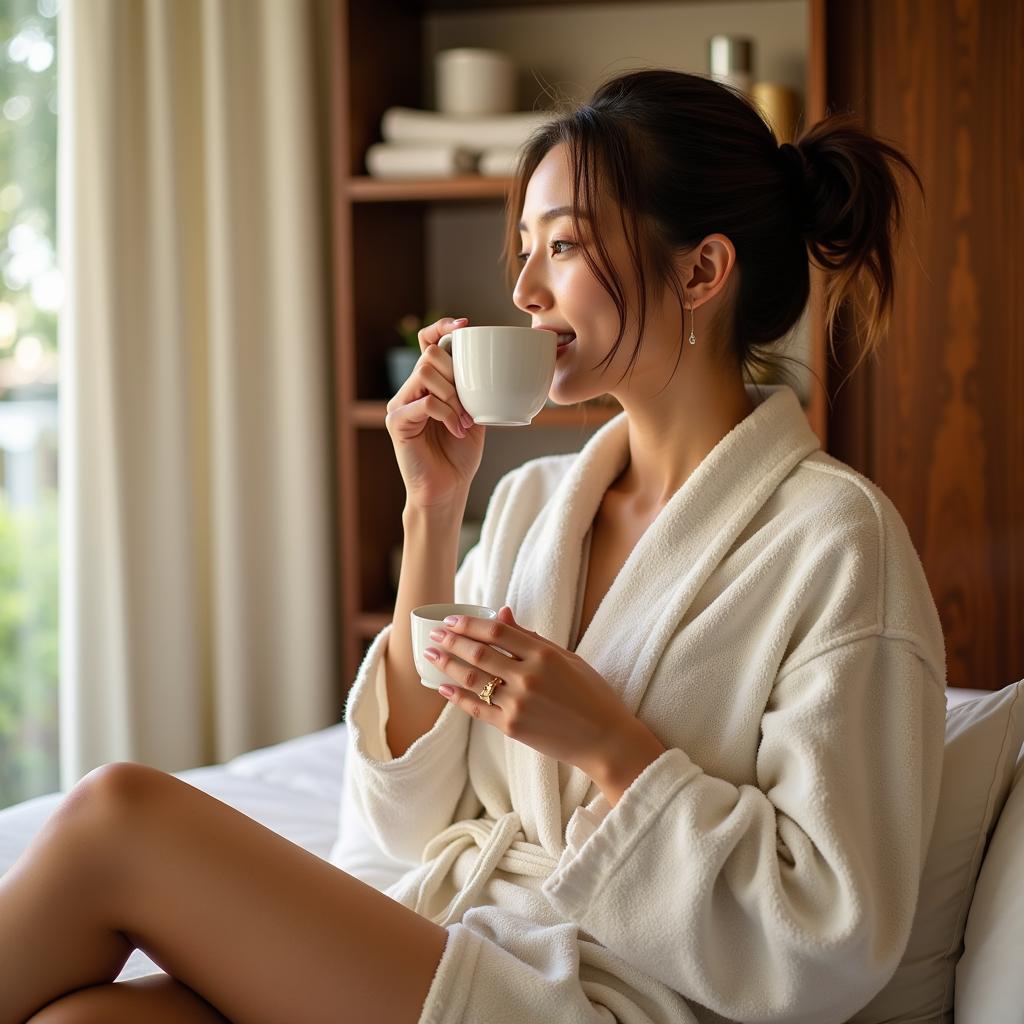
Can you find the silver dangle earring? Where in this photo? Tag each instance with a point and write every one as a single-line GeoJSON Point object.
{"type": "Point", "coordinates": [691, 339]}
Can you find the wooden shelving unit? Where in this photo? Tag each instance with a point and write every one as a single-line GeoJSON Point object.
{"type": "Point", "coordinates": [381, 233]}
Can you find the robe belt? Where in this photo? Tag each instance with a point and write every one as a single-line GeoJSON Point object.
{"type": "Point", "coordinates": [502, 846]}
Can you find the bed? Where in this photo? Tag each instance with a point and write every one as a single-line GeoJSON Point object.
{"type": "Point", "coordinates": [294, 788]}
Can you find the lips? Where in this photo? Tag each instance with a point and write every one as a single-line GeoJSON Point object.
{"type": "Point", "coordinates": [564, 337]}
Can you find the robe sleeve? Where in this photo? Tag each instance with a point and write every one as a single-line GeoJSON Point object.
{"type": "Point", "coordinates": [791, 900]}
{"type": "Point", "coordinates": [403, 802]}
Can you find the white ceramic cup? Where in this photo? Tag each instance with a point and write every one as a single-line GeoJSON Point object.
{"type": "Point", "coordinates": [432, 616]}
{"type": "Point", "coordinates": [502, 374]}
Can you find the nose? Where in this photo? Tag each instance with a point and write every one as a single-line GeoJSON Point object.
{"type": "Point", "coordinates": [530, 292]}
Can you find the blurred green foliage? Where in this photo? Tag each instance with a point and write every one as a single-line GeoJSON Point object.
{"type": "Point", "coordinates": [28, 150]}
{"type": "Point", "coordinates": [409, 326]}
{"type": "Point", "coordinates": [28, 650]}
{"type": "Point", "coordinates": [28, 535]}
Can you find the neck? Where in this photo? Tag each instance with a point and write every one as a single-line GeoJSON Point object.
{"type": "Point", "coordinates": [671, 434]}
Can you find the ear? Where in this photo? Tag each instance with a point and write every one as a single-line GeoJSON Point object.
{"type": "Point", "coordinates": [707, 268]}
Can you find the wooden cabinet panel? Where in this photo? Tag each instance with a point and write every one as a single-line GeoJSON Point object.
{"type": "Point", "coordinates": [937, 421]}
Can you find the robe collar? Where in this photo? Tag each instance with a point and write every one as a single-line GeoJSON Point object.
{"type": "Point", "coordinates": [669, 564]}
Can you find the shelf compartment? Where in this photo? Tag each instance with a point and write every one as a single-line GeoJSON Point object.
{"type": "Point", "coordinates": [372, 414]}
{"type": "Point", "coordinates": [368, 189]}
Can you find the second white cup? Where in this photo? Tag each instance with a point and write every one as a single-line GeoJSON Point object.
{"type": "Point", "coordinates": [431, 616]}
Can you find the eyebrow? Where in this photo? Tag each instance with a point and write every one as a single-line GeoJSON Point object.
{"type": "Point", "coordinates": [558, 211]}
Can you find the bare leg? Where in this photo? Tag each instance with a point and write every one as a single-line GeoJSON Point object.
{"type": "Point", "coordinates": [262, 929]}
{"type": "Point", "coordinates": [156, 999]}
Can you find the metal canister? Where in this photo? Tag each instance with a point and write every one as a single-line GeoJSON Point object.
{"type": "Point", "coordinates": [731, 61]}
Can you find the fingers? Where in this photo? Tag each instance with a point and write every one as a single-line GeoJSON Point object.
{"type": "Point", "coordinates": [410, 408]}
{"type": "Point", "coordinates": [503, 632]}
{"type": "Point", "coordinates": [471, 663]}
{"type": "Point", "coordinates": [442, 386]}
{"type": "Point", "coordinates": [432, 335]}
{"type": "Point", "coordinates": [472, 666]}
{"type": "Point", "coordinates": [408, 420]}
{"type": "Point", "coordinates": [489, 644]}
{"type": "Point", "coordinates": [468, 698]}
{"type": "Point", "coordinates": [433, 375]}
{"type": "Point", "coordinates": [500, 631]}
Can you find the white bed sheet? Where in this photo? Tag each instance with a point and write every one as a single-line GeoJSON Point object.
{"type": "Point", "coordinates": [294, 788]}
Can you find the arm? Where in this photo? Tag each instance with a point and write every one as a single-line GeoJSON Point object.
{"type": "Point", "coordinates": [428, 573]}
{"type": "Point", "coordinates": [405, 800]}
{"type": "Point", "coordinates": [809, 879]}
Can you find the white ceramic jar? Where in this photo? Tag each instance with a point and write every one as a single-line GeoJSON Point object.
{"type": "Point", "coordinates": [475, 82]}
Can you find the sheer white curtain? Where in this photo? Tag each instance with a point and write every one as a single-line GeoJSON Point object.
{"type": "Point", "coordinates": [196, 598]}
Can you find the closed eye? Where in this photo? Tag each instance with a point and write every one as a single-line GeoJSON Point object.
{"type": "Point", "coordinates": [523, 256]}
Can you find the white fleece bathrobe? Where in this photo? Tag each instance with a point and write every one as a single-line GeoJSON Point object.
{"type": "Point", "coordinates": [774, 628]}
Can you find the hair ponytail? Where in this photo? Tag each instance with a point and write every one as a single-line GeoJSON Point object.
{"type": "Point", "coordinates": [852, 212]}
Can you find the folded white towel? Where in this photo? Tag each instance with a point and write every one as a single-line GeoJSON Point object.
{"type": "Point", "coordinates": [498, 162]}
{"type": "Point", "coordinates": [419, 160]}
{"type": "Point", "coordinates": [406, 124]}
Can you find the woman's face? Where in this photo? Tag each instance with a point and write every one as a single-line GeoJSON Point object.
{"type": "Point", "coordinates": [557, 289]}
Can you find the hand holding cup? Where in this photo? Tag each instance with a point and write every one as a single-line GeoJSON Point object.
{"type": "Point", "coordinates": [437, 446]}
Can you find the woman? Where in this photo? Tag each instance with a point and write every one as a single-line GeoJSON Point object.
{"type": "Point", "coordinates": [692, 771]}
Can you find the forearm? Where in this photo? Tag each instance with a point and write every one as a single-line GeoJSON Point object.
{"type": "Point", "coordinates": [634, 749]}
{"type": "Point", "coordinates": [429, 556]}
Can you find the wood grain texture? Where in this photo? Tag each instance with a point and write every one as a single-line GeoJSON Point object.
{"type": "Point", "coordinates": [937, 421]}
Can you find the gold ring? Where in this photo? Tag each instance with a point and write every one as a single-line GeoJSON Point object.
{"type": "Point", "coordinates": [485, 693]}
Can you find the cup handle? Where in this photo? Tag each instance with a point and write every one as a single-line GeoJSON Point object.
{"type": "Point", "coordinates": [441, 344]}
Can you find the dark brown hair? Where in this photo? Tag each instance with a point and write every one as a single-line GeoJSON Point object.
{"type": "Point", "coordinates": [684, 156]}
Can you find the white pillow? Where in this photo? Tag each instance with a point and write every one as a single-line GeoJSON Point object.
{"type": "Point", "coordinates": [989, 979]}
{"type": "Point", "coordinates": [983, 737]}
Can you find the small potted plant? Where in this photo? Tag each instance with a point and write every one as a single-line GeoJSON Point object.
{"type": "Point", "coordinates": [402, 359]}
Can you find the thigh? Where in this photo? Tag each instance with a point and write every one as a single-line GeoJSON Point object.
{"type": "Point", "coordinates": [261, 928]}
{"type": "Point", "coordinates": [155, 999]}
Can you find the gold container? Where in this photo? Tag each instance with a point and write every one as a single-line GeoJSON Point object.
{"type": "Point", "coordinates": [779, 106]}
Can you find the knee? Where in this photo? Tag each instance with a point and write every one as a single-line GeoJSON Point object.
{"type": "Point", "coordinates": [122, 780]}
{"type": "Point", "coordinates": [118, 785]}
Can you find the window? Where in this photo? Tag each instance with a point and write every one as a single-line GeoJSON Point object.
{"type": "Point", "coordinates": [31, 289]}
